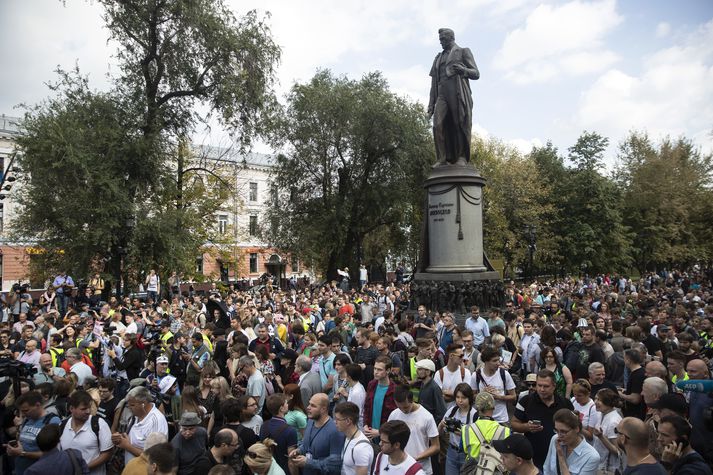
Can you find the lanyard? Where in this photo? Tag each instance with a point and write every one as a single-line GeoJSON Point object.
{"type": "Point", "coordinates": [312, 437]}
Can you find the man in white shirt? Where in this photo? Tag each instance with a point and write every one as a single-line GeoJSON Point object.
{"type": "Point", "coordinates": [357, 453]}
{"type": "Point", "coordinates": [452, 374]}
{"type": "Point", "coordinates": [256, 381]}
{"type": "Point", "coordinates": [423, 441]}
{"type": "Point", "coordinates": [529, 347]}
{"type": "Point", "coordinates": [74, 358]}
{"type": "Point", "coordinates": [78, 432]}
{"type": "Point", "coordinates": [477, 324]}
{"type": "Point", "coordinates": [393, 459]}
{"type": "Point", "coordinates": [495, 380]}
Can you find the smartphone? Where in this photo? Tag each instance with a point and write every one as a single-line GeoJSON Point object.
{"type": "Point", "coordinates": [536, 422]}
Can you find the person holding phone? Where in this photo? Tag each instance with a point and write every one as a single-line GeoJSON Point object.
{"type": "Point", "coordinates": [534, 412]}
{"type": "Point", "coordinates": [677, 455]}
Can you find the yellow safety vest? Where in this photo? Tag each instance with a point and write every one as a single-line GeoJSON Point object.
{"type": "Point", "coordinates": [484, 429]}
{"type": "Point", "coordinates": [166, 336]}
{"type": "Point", "coordinates": [55, 352]}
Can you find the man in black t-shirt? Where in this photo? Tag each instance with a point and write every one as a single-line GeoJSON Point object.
{"type": "Point", "coordinates": [108, 403]}
{"type": "Point", "coordinates": [633, 401]}
{"type": "Point", "coordinates": [590, 352]}
{"type": "Point", "coordinates": [534, 415]}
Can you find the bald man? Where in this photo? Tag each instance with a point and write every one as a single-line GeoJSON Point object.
{"type": "Point", "coordinates": [656, 369]}
{"type": "Point", "coordinates": [700, 436]}
{"type": "Point", "coordinates": [322, 441]}
{"type": "Point", "coordinates": [633, 438]}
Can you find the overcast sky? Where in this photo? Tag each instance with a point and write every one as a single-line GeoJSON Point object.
{"type": "Point", "coordinates": [549, 69]}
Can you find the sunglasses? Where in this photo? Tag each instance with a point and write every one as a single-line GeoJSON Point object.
{"type": "Point", "coordinates": [252, 454]}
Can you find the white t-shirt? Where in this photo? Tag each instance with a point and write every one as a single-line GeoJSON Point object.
{"type": "Point", "coordinates": [254, 424]}
{"type": "Point", "coordinates": [451, 380]}
{"type": "Point", "coordinates": [356, 453]}
{"type": "Point", "coordinates": [588, 414]}
{"type": "Point", "coordinates": [82, 370]}
{"type": "Point", "coordinates": [399, 469]}
{"type": "Point", "coordinates": [85, 440]}
{"type": "Point", "coordinates": [256, 388]}
{"type": "Point", "coordinates": [423, 428]}
{"type": "Point", "coordinates": [153, 422]}
{"type": "Point", "coordinates": [357, 395]}
{"type": "Point", "coordinates": [496, 381]}
{"type": "Point", "coordinates": [607, 425]}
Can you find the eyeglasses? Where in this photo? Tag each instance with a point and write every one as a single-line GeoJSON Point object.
{"type": "Point", "coordinates": [531, 385]}
{"type": "Point", "coordinates": [563, 432]}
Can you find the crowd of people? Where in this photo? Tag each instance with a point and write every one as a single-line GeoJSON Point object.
{"type": "Point", "coordinates": [571, 377]}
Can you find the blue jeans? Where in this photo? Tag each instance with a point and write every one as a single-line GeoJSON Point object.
{"type": "Point", "coordinates": [62, 301]}
{"type": "Point", "coordinates": [454, 460]}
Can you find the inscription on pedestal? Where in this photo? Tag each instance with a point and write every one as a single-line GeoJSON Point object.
{"type": "Point", "coordinates": [439, 211]}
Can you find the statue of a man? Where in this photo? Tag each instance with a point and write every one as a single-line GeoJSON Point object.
{"type": "Point", "coordinates": [451, 103]}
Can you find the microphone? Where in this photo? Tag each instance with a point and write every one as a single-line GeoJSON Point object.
{"type": "Point", "coordinates": [696, 385]}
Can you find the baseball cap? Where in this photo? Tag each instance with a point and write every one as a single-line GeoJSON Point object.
{"type": "Point", "coordinates": [426, 364]}
{"type": "Point", "coordinates": [162, 359]}
{"type": "Point", "coordinates": [662, 328]}
{"type": "Point", "coordinates": [516, 444]}
{"type": "Point", "coordinates": [531, 378]}
{"type": "Point", "coordinates": [673, 402]}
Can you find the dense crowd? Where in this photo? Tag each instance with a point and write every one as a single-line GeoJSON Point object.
{"type": "Point", "coordinates": [571, 377]}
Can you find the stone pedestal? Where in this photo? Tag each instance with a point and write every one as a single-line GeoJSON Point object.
{"type": "Point", "coordinates": [453, 271]}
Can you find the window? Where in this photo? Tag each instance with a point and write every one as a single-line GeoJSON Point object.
{"type": "Point", "coordinates": [295, 264]}
{"type": "Point", "coordinates": [252, 229]}
{"type": "Point", "coordinates": [253, 191]}
{"type": "Point", "coordinates": [223, 223]}
{"type": "Point", "coordinates": [199, 265]}
{"type": "Point", "coordinates": [253, 262]}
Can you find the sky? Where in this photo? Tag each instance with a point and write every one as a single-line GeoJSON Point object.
{"type": "Point", "coordinates": [549, 69]}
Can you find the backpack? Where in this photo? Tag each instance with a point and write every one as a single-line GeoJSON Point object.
{"type": "Point", "coordinates": [412, 470]}
{"type": "Point", "coordinates": [489, 461]}
{"type": "Point", "coordinates": [374, 447]}
{"type": "Point", "coordinates": [94, 423]}
{"type": "Point", "coordinates": [462, 375]}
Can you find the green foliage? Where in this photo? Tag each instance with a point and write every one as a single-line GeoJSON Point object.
{"type": "Point", "coordinates": [667, 200]}
{"type": "Point", "coordinates": [104, 174]}
{"type": "Point", "coordinates": [77, 155]}
{"type": "Point", "coordinates": [356, 157]}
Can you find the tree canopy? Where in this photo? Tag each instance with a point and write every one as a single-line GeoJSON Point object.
{"type": "Point", "coordinates": [356, 155]}
{"type": "Point", "coordinates": [104, 177]}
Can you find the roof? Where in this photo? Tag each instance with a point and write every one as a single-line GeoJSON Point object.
{"type": "Point", "coordinates": [234, 155]}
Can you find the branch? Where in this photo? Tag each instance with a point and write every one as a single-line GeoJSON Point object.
{"type": "Point", "coordinates": [205, 170]}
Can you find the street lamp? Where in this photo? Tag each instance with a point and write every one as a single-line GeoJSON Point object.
{"type": "Point", "coordinates": [530, 231]}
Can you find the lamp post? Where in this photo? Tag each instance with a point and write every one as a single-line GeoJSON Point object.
{"type": "Point", "coordinates": [530, 230]}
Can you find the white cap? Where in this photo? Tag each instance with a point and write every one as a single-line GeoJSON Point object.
{"type": "Point", "coordinates": [166, 383]}
{"type": "Point", "coordinates": [426, 364]}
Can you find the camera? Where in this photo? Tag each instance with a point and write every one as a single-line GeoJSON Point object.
{"type": "Point", "coordinates": [452, 424]}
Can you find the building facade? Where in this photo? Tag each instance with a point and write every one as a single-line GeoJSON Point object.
{"type": "Point", "coordinates": [241, 255]}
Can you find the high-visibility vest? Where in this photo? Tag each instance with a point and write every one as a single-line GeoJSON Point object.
{"type": "Point", "coordinates": [55, 352]}
{"type": "Point", "coordinates": [489, 430]}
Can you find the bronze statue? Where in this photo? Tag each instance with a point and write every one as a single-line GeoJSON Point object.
{"type": "Point", "coordinates": [451, 103]}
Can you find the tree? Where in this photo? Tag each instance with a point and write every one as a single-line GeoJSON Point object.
{"type": "Point", "coordinates": [173, 56]}
{"type": "Point", "coordinates": [667, 200]}
{"type": "Point", "coordinates": [355, 159]}
{"type": "Point", "coordinates": [593, 235]}
{"type": "Point", "coordinates": [516, 196]}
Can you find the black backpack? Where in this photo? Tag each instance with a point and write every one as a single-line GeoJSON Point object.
{"type": "Point", "coordinates": [94, 423]}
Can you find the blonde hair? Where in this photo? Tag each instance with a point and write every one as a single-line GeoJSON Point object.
{"type": "Point", "coordinates": [497, 339]}
{"type": "Point", "coordinates": [259, 456]}
{"type": "Point", "coordinates": [224, 388]}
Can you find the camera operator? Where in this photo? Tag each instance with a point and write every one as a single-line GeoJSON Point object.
{"type": "Point", "coordinates": [132, 360]}
{"type": "Point", "coordinates": [176, 362]}
{"type": "Point", "coordinates": [18, 301]}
